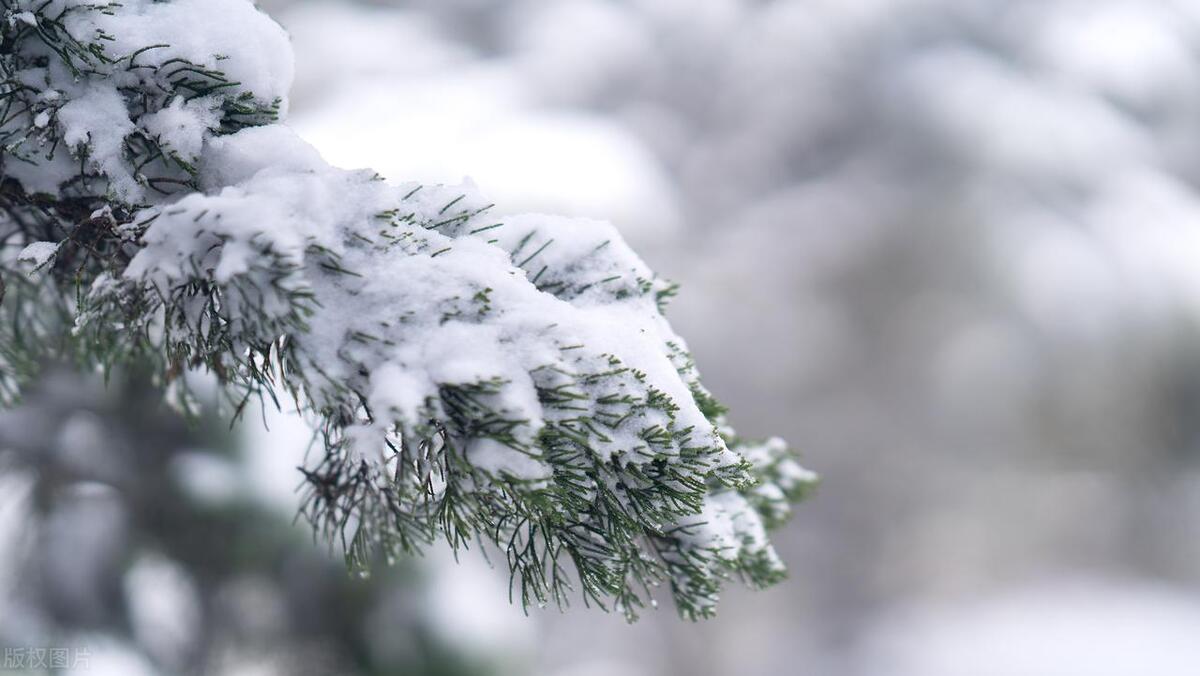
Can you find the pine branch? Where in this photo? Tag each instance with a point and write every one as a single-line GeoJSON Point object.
{"type": "Point", "coordinates": [512, 383]}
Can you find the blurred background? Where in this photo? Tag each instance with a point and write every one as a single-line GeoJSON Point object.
{"type": "Point", "coordinates": [949, 249]}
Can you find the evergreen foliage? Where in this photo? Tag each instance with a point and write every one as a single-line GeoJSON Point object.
{"type": "Point", "coordinates": [504, 382]}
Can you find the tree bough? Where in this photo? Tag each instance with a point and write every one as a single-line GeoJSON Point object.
{"type": "Point", "coordinates": [503, 381]}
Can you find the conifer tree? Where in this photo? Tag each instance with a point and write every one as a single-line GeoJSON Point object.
{"type": "Point", "coordinates": [509, 383]}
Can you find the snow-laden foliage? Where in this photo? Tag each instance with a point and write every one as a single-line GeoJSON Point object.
{"type": "Point", "coordinates": [511, 382]}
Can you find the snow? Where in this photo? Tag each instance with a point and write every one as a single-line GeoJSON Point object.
{"type": "Point", "coordinates": [27, 18]}
{"type": "Point", "coordinates": [164, 608]}
{"type": "Point", "coordinates": [230, 160]}
{"type": "Point", "coordinates": [399, 391]}
{"type": "Point", "coordinates": [497, 459]}
{"type": "Point", "coordinates": [38, 253]}
{"type": "Point", "coordinates": [727, 524]}
{"type": "Point", "coordinates": [232, 36]}
{"type": "Point", "coordinates": [182, 126]}
{"type": "Point", "coordinates": [97, 119]}
{"type": "Point", "coordinates": [151, 47]}
{"type": "Point", "coordinates": [45, 176]}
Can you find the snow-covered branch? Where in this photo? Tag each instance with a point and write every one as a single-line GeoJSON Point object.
{"type": "Point", "coordinates": [511, 382]}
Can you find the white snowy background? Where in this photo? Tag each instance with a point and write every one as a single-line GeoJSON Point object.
{"type": "Point", "coordinates": [949, 249]}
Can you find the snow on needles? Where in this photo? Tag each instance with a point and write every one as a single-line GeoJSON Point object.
{"type": "Point", "coordinates": [515, 380]}
{"type": "Point", "coordinates": [130, 88]}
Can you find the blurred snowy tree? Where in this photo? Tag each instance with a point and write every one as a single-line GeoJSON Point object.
{"type": "Point", "coordinates": [132, 537]}
{"type": "Point", "coordinates": [512, 383]}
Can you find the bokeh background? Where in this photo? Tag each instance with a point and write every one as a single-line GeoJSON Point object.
{"type": "Point", "coordinates": [949, 249]}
